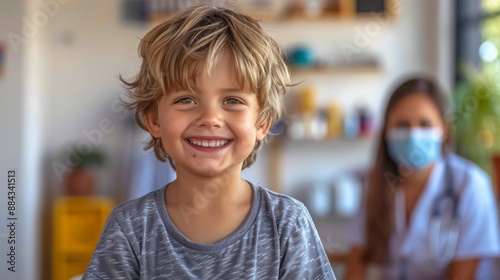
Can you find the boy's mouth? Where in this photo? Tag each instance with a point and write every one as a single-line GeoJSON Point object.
{"type": "Point", "coordinates": [208, 143]}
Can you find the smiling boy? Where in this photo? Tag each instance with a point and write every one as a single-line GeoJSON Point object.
{"type": "Point", "coordinates": [210, 87]}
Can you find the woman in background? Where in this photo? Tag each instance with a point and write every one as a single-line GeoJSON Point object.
{"type": "Point", "coordinates": [428, 213]}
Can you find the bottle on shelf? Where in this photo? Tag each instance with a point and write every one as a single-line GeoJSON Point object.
{"type": "Point", "coordinates": [365, 122]}
{"type": "Point", "coordinates": [308, 109]}
{"type": "Point", "coordinates": [351, 126]}
{"type": "Point", "coordinates": [334, 116]}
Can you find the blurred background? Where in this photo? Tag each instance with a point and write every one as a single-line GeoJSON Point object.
{"type": "Point", "coordinates": [76, 152]}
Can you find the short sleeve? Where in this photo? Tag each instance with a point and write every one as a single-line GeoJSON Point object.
{"type": "Point", "coordinates": [303, 255]}
{"type": "Point", "coordinates": [479, 233]}
{"type": "Point", "coordinates": [114, 257]}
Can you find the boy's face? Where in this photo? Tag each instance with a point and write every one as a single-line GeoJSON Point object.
{"type": "Point", "coordinates": [213, 130]}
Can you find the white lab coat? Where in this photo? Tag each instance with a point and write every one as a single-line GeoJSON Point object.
{"type": "Point", "coordinates": [479, 230]}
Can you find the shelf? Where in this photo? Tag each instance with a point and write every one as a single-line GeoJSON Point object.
{"type": "Point", "coordinates": [280, 17]}
{"type": "Point", "coordinates": [278, 144]}
{"type": "Point", "coordinates": [156, 19]}
{"type": "Point", "coordinates": [276, 11]}
{"type": "Point", "coordinates": [283, 140]}
{"type": "Point", "coordinates": [266, 16]}
{"type": "Point", "coordinates": [335, 70]}
{"type": "Point", "coordinates": [271, 17]}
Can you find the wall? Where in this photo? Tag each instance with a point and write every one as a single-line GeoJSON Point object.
{"type": "Point", "coordinates": [64, 83]}
{"type": "Point", "coordinates": [21, 147]}
{"type": "Point", "coordinates": [11, 104]}
{"type": "Point", "coordinates": [89, 47]}
{"type": "Point", "coordinates": [86, 45]}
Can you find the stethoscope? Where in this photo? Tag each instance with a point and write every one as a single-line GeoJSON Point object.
{"type": "Point", "coordinates": [441, 256]}
{"type": "Point", "coordinates": [453, 228]}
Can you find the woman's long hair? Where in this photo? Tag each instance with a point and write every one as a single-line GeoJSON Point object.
{"type": "Point", "coordinates": [385, 176]}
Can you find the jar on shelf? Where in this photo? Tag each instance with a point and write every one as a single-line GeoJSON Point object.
{"type": "Point", "coordinates": [334, 120]}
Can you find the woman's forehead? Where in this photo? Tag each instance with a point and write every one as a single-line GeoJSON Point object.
{"type": "Point", "coordinates": [415, 105]}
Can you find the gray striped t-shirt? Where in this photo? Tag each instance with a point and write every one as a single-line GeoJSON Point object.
{"type": "Point", "coordinates": [278, 240]}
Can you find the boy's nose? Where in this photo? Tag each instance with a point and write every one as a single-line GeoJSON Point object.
{"type": "Point", "coordinates": [209, 117]}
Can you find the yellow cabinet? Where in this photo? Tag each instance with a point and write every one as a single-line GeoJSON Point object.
{"type": "Point", "coordinates": [78, 223]}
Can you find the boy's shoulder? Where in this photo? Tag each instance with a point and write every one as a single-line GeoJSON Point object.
{"type": "Point", "coordinates": [141, 206]}
{"type": "Point", "coordinates": [280, 198]}
{"type": "Point", "coordinates": [282, 205]}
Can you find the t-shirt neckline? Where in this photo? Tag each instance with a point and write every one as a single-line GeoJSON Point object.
{"type": "Point", "coordinates": [230, 239]}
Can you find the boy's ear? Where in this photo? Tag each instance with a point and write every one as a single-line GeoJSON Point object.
{"type": "Point", "coordinates": [263, 129]}
{"type": "Point", "coordinates": [153, 124]}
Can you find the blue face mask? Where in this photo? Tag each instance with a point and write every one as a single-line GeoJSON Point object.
{"type": "Point", "coordinates": [414, 148]}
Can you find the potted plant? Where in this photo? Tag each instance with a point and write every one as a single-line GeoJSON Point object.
{"type": "Point", "coordinates": [81, 180]}
{"type": "Point", "coordinates": [476, 118]}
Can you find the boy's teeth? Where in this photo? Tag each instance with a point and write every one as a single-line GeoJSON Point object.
{"type": "Point", "coordinates": [209, 143]}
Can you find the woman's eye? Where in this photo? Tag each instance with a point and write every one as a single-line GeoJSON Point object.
{"type": "Point", "coordinates": [184, 100]}
{"type": "Point", "coordinates": [232, 101]}
{"type": "Point", "coordinates": [402, 124]}
{"type": "Point", "coordinates": [425, 123]}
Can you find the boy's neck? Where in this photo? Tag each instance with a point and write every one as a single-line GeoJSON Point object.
{"type": "Point", "coordinates": [207, 210]}
{"type": "Point", "coordinates": [208, 192]}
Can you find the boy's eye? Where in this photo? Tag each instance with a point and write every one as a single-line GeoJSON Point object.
{"type": "Point", "coordinates": [232, 100]}
{"type": "Point", "coordinates": [184, 100]}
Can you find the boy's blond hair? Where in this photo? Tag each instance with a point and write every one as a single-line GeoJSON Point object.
{"type": "Point", "coordinates": [173, 52]}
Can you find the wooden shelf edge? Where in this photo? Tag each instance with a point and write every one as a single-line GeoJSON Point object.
{"type": "Point", "coordinates": [283, 18]}
{"type": "Point", "coordinates": [344, 69]}
{"type": "Point", "coordinates": [273, 17]}
{"type": "Point", "coordinates": [278, 141]}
